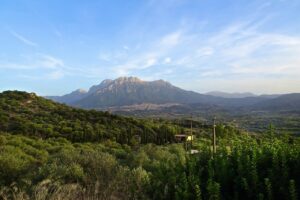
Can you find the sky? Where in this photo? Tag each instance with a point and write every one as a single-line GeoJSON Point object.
{"type": "Point", "coordinates": [53, 47]}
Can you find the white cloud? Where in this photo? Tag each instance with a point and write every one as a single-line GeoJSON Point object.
{"type": "Point", "coordinates": [52, 75]}
{"type": "Point", "coordinates": [240, 49]}
{"type": "Point", "coordinates": [48, 61]}
{"type": "Point", "coordinates": [15, 66]}
{"type": "Point", "coordinates": [44, 66]}
{"type": "Point", "coordinates": [153, 53]}
{"type": "Point", "coordinates": [104, 56]}
{"type": "Point", "coordinates": [265, 67]}
{"type": "Point", "coordinates": [204, 51]}
{"type": "Point", "coordinates": [149, 62]}
{"type": "Point", "coordinates": [126, 47]}
{"type": "Point", "coordinates": [36, 61]}
{"type": "Point", "coordinates": [167, 60]}
{"type": "Point", "coordinates": [264, 5]}
{"type": "Point", "coordinates": [171, 39]}
{"type": "Point", "coordinates": [23, 39]}
{"type": "Point", "coordinates": [211, 73]}
{"type": "Point", "coordinates": [113, 56]}
{"type": "Point", "coordinates": [138, 63]}
{"type": "Point", "coordinates": [259, 85]}
{"type": "Point", "coordinates": [58, 74]}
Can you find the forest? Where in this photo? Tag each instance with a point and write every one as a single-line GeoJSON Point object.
{"type": "Point", "coordinates": [52, 151]}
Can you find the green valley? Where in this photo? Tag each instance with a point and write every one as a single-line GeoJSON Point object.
{"type": "Point", "coordinates": [51, 151]}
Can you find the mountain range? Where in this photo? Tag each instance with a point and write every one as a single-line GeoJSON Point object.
{"type": "Point", "coordinates": [231, 95]}
{"type": "Point", "coordinates": [133, 93]}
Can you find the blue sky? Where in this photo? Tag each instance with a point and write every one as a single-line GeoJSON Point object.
{"type": "Point", "coordinates": [52, 47]}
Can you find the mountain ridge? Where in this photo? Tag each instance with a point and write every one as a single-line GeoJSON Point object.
{"type": "Point", "coordinates": [231, 95]}
{"type": "Point", "coordinates": [126, 91]}
{"type": "Point", "coordinates": [133, 92]}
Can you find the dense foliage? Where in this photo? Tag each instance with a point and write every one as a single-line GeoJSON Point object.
{"type": "Point", "coordinates": [243, 168]}
{"type": "Point", "coordinates": [37, 165]}
{"type": "Point", "coordinates": [25, 113]}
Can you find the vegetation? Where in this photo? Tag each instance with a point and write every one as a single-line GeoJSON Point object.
{"type": "Point", "coordinates": [31, 115]}
{"type": "Point", "coordinates": [40, 164]}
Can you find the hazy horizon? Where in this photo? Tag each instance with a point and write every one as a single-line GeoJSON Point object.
{"type": "Point", "coordinates": [55, 47]}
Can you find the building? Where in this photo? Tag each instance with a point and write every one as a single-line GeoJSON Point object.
{"type": "Point", "coordinates": [184, 138]}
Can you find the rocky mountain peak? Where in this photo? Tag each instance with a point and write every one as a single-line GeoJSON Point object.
{"type": "Point", "coordinates": [130, 79]}
{"type": "Point", "coordinates": [162, 82]}
{"type": "Point", "coordinates": [106, 82]}
{"type": "Point", "coordinates": [102, 85]}
{"type": "Point", "coordinates": [80, 91]}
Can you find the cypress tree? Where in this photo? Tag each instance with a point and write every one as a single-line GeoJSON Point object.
{"type": "Point", "coordinates": [292, 190]}
{"type": "Point", "coordinates": [198, 192]}
{"type": "Point", "coordinates": [213, 189]}
{"type": "Point", "coordinates": [268, 188]}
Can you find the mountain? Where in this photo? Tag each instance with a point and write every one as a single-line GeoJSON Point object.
{"type": "Point", "coordinates": [69, 98]}
{"type": "Point", "coordinates": [102, 85]}
{"type": "Point", "coordinates": [230, 95]}
{"type": "Point", "coordinates": [132, 93]}
{"type": "Point", "coordinates": [287, 102]}
{"type": "Point", "coordinates": [126, 91]}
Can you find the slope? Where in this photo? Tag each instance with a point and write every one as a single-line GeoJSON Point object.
{"type": "Point", "coordinates": [27, 114]}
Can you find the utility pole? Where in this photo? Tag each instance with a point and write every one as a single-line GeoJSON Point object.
{"type": "Point", "coordinates": [214, 136]}
{"type": "Point", "coordinates": [191, 131]}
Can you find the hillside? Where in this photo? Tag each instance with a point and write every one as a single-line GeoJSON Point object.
{"type": "Point", "coordinates": [53, 151]}
{"type": "Point", "coordinates": [288, 102]}
{"type": "Point", "coordinates": [26, 113]}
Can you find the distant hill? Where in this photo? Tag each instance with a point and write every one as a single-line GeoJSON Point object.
{"type": "Point", "coordinates": [69, 98]}
{"type": "Point", "coordinates": [287, 102]}
{"type": "Point", "coordinates": [230, 95]}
